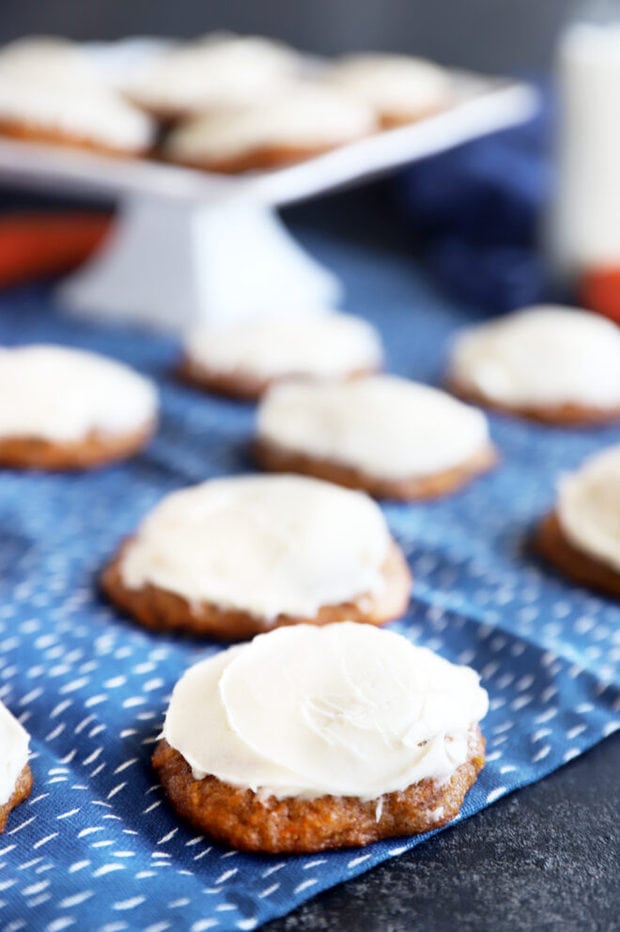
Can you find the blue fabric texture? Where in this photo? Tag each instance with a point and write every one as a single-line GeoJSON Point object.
{"type": "Point", "coordinates": [97, 847]}
{"type": "Point", "coordinates": [478, 210]}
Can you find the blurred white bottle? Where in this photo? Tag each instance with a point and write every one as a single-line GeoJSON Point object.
{"type": "Point", "coordinates": [585, 222]}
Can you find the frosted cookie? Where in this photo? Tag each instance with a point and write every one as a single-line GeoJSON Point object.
{"type": "Point", "coordinates": [386, 435]}
{"type": "Point", "coordinates": [233, 557]}
{"type": "Point", "coordinates": [214, 73]}
{"type": "Point", "coordinates": [63, 408]}
{"type": "Point", "coordinates": [581, 537]}
{"type": "Point", "coordinates": [305, 121]}
{"type": "Point", "coordinates": [559, 365]}
{"type": "Point", "coordinates": [400, 88]}
{"type": "Point", "coordinates": [314, 738]}
{"type": "Point", "coordinates": [50, 92]}
{"type": "Point", "coordinates": [46, 59]}
{"type": "Point", "coordinates": [83, 116]}
{"type": "Point", "coordinates": [243, 360]}
{"type": "Point", "coordinates": [15, 773]}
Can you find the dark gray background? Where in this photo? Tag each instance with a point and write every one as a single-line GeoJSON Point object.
{"type": "Point", "coordinates": [493, 35]}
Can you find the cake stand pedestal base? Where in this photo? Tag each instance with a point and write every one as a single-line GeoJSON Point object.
{"type": "Point", "coordinates": [174, 263]}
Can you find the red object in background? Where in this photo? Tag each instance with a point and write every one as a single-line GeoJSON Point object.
{"type": "Point", "coordinates": [40, 245]}
{"type": "Point", "coordinates": [600, 291]}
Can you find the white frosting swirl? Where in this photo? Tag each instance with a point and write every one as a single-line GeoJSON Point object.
{"type": "Point", "coordinates": [397, 86]}
{"type": "Point", "coordinates": [262, 544]}
{"type": "Point", "coordinates": [322, 345]}
{"type": "Point", "coordinates": [83, 110]}
{"type": "Point", "coordinates": [344, 710]}
{"type": "Point", "coordinates": [218, 71]}
{"type": "Point", "coordinates": [382, 425]}
{"type": "Point", "coordinates": [305, 116]}
{"type": "Point", "coordinates": [46, 59]}
{"type": "Point", "coordinates": [61, 394]}
{"type": "Point", "coordinates": [543, 355]}
{"type": "Point", "coordinates": [588, 507]}
{"type": "Point", "coordinates": [14, 742]}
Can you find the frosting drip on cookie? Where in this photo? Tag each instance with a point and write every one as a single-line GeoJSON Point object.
{"type": "Point", "coordinates": [14, 742]}
{"type": "Point", "coordinates": [266, 545]}
{"type": "Point", "coordinates": [382, 425]}
{"type": "Point", "coordinates": [541, 356]}
{"type": "Point", "coordinates": [306, 116]}
{"type": "Point", "coordinates": [318, 345]}
{"type": "Point", "coordinates": [344, 710]}
{"type": "Point", "coordinates": [61, 394]}
{"type": "Point", "coordinates": [588, 507]}
{"type": "Point", "coordinates": [396, 85]}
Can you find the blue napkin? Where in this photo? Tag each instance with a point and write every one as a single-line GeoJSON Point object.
{"type": "Point", "coordinates": [97, 846]}
{"type": "Point", "coordinates": [477, 210]}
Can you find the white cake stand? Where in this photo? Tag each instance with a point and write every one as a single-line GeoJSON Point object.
{"type": "Point", "coordinates": [190, 246]}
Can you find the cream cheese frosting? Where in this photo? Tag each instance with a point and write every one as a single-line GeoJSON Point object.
{"type": "Point", "coordinates": [588, 507]}
{"type": "Point", "coordinates": [87, 112]}
{"type": "Point", "coordinates": [46, 59]}
{"type": "Point", "coordinates": [320, 345]}
{"type": "Point", "coordinates": [266, 545]}
{"type": "Point", "coordinates": [62, 394]}
{"type": "Point", "coordinates": [394, 85]}
{"type": "Point", "coordinates": [382, 425]}
{"type": "Point", "coordinates": [544, 355]}
{"type": "Point", "coordinates": [343, 710]}
{"type": "Point", "coordinates": [14, 742]}
{"type": "Point", "coordinates": [305, 115]}
{"type": "Point", "coordinates": [218, 71]}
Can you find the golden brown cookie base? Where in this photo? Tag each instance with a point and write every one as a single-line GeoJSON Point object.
{"type": "Point", "coordinates": [259, 159]}
{"type": "Point", "coordinates": [238, 384]}
{"type": "Point", "coordinates": [565, 415]}
{"type": "Point", "coordinates": [93, 450]}
{"type": "Point", "coordinates": [278, 459]}
{"type": "Point", "coordinates": [26, 132]}
{"type": "Point", "coordinates": [554, 546]}
{"type": "Point", "coordinates": [21, 792]}
{"type": "Point", "coordinates": [161, 610]}
{"type": "Point", "coordinates": [241, 819]}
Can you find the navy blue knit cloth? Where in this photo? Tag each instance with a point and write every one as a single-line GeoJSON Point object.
{"type": "Point", "coordinates": [479, 212]}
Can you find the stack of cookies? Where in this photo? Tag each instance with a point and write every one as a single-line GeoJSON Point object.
{"type": "Point", "coordinates": [222, 102]}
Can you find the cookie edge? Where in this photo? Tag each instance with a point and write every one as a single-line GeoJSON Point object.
{"type": "Point", "coordinates": [21, 792]}
{"type": "Point", "coordinates": [574, 564]}
{"type": "Point", "coordinates": [93, 450]}
{"type": "Point", "coordinates": [162, 610]}
{"type": "Point", "coordinates": [295, 825]}
{"type": "Point", "coordinates": [568, 414]}
{"type": "Point", "coordinates": [275, 458]}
